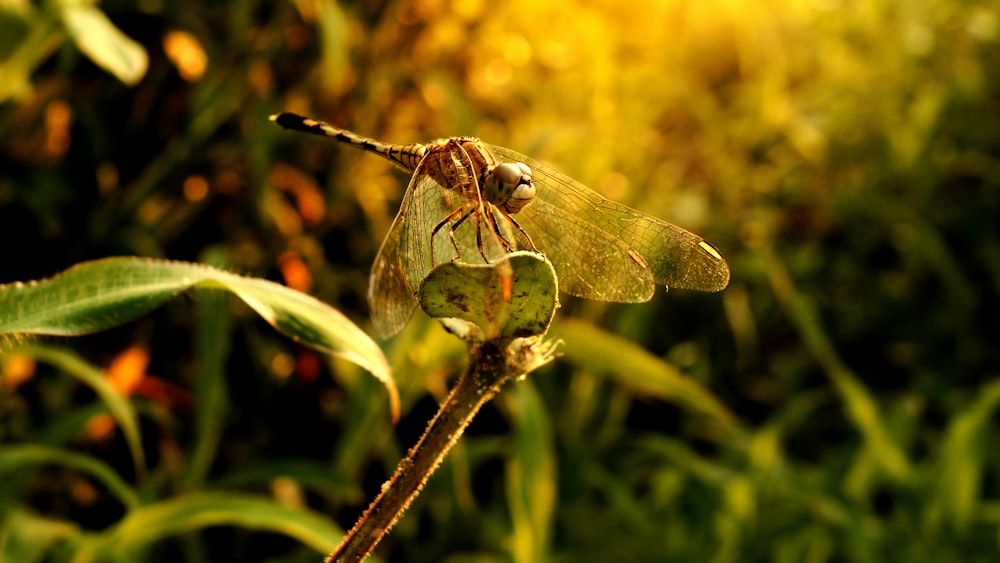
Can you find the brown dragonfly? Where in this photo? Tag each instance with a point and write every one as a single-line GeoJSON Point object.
{"type": "Point", "coordinates": [478, 202]}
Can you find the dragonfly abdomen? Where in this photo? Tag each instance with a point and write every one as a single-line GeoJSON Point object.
{"type": "Point", "coordinates": [404, 156]}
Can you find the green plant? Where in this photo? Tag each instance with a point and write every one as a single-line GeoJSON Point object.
{"type": "Point", "coordinates": [841, 155]}
{"type": "Point", "coordinates": [100, 295]}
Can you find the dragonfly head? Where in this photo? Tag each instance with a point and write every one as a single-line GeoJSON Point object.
{"type": "Point", "coordinates": [509, 185]}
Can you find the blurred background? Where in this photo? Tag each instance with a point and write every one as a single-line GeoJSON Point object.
{"type": "Point", "coordinates": [836, 403]}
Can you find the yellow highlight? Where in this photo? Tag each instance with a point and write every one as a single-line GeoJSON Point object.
{"type": "Point", "coordinates": [195, 188]}
{"type": "Point", "coordinates": [282, 365]}
{"type": "Point", "coordinates": [128, 369]}
{"type": "Point", "coordinates": [58, 118]}
{"type": "Point", "coordinates": [101, 426]}
{"type": "Point", "coordinates": [296, 272]}
{"type": "Point", "coordinates": [710, 249]}
{"type": "Point", "coordinates": [125, 374]}
{"type": "Point", "coordinates": [516, 49]}
{"type": "Point", "coordinates": [186, 53]}
{"type": "Point", "coordinates": [309, 199]}
{"type": "Point", "coordinates": [15, 369]}
{"type": "Point", "coordinates": [107, 177]}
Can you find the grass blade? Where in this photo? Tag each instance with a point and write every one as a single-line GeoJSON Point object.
{"type": "Point", "coordinates": [102, 294]}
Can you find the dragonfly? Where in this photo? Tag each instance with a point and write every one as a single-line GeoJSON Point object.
{"type": "Point", "coordinates": [478, 202]}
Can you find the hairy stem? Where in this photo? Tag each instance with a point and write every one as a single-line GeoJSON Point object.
{"type": "Point", "coordinates": [489, 368]}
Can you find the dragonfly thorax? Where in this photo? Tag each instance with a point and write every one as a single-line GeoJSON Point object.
{"type": "Point", "coordinates": [509, 186]}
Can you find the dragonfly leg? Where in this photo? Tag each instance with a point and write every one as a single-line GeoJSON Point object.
{"type": "Point", "coordinates": [506, 273]}
{"type": "Point", "coordinates": [495, 227]}
{"type": "Point", "coordinates": [479, 241]}
{"type": "Point", "coordinates": [520, 229]}
{"type": "Point", "coordinates": [462, 213]}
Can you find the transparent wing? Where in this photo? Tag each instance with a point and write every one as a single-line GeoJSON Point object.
{"type": "Point", "coordinates": [412, 249]}
{"type": "Point", "coordinates": [638, 249]}
{"type": "Point", "coordinates": [588, 261]}
{"type": "Point", "coordinates": [390, 295]}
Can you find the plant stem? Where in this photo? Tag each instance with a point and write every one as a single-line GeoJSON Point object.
{"type": "Point", "coordinates": [489, 368]}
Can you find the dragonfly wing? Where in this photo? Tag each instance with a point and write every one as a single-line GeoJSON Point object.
{"type": "Point", "coordinates": [406, 258]}
{"type": "Point", "coordinates": [674, 257]}
{"type": "Point", "coordinates": [589, 262]}
{"type": "Point", "coordinates": [431, 205]}
{"type": "Point", "coordinates": [390, 295]}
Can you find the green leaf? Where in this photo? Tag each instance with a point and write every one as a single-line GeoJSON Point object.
{"type": "Point", "coordinates": [200, 510]}
{"type": "Point", "coordinates": [99, 295]}
{"type": "Point", "coordinates": [212, 341]}
{"type": "Point", "coordinates": [959, 489]}
{"type": "Point", "coordinates": [860, 403]}
{"type": "Point", "coordinates": [117, 403]}
{"type": "Point", "coordinates": [507, 299]}
{"type": "Point", "coordinates": [104, 43]}
{"type": "Point", "coordinates": [637, 368]}
{"type": "Point", "coordinates": [26, 538]}
{"type": "Point", "coordinates": [43, 36]}
{"type": "Point", "coordinates": [531, 476]}
{"type": "Point", "coordinates": [15, 456]}
{"type": "Point", "coordinates": [308, 474]}
{"type": "Point", "coordinates": [335, 38]}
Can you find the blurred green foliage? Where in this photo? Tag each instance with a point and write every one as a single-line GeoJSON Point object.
{"type": "Point", "coordinates": [845, 156]}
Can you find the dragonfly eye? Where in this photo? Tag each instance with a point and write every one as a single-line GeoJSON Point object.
{"type": "Point", "coordinates": [510, 186]}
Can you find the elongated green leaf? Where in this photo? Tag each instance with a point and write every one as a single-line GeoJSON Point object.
{"type": "Point", "coordinates": [99, 295]}
{"type": "Point", "coordinates": [199, 510]}
{"type": "Point", "coordinates": [213, 344]}
{"type": "Point", "coordinates": [14, 456]}
{"type": "Point", "coordinates": [104, 43]}
{"type": "Point", "coordinates": [26, 538]}
{"type": "Point", "coordinates": [531, 476]}
{"type": "Point", "coordinates": [335, 35]}
{"type": "Point", "coordinates": [44, 36]}
{"type": "Point", "coordinates": [962, 464]}
{"type": "Point", "coordinates": [118, 404]}
{"type": "Point", "coordinates": [859, 401]}
{"type": "Point", "coordinates": [637, 368]}
{"type": "Point", "coordinates": [316, 476]}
